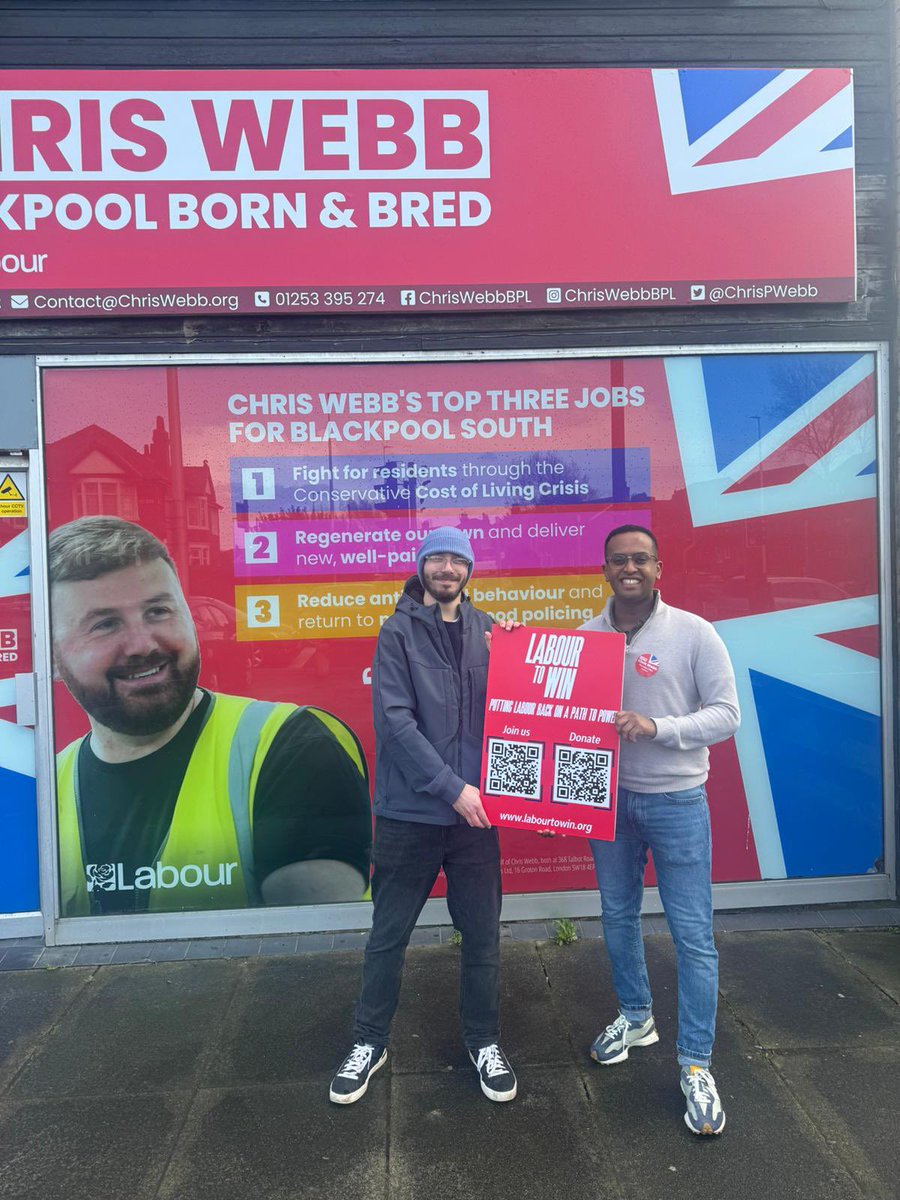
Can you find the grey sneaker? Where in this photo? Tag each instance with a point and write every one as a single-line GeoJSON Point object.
{"type": "Point", "coordinates": [616, 1040]}
{"type": "Point", "coordinates": [704, 1112]}
{"type": "Point", "coordinates": [352, 1078]}
{"type": "Point", "coordinates": [496, 1076]}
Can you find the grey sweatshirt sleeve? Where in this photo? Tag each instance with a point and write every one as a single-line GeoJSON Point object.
{"type": "Point", "coordinates": [394, 704]}
{"type": "Point", "coordinates": [719, 715]}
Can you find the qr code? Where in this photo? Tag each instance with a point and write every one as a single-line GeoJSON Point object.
{"type": "Point", "coordinates": [582, 776]}
{"type": "Point", "coordinates": [514, 769]}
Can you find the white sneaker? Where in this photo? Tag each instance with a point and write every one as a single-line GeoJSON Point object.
{"type": "Point", "coordinates": [704, 1108]}
{"type": "Point", "coordinates": [616, 1040]}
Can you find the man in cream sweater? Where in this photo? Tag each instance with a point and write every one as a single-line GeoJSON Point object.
{"type": "Point", "coordinates": [678, 698]}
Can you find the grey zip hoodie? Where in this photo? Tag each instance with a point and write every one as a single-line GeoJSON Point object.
{"type": "Point", "coordinates": [677, 671]}
{"type": "Point", "coordinates": [428, 709]}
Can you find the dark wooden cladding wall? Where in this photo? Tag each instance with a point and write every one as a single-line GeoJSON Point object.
{"type": "Point", "coordinates": [488, 33]}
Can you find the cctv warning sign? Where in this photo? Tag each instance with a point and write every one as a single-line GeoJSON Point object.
{"type": "Point", "coordinates": [12, 499]}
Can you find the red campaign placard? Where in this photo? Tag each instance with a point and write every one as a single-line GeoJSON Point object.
{"type": "Point", "coordinates": [550, 745]}
{"type": "Point", "coordinates": [136, 193]}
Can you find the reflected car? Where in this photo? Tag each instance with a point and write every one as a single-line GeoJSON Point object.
{"type": "Point", "coordinates": [795, 591]}
{"type": "Point", "coordinates": [227, 665]}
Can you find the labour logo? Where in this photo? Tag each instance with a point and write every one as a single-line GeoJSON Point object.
{"type": "Point", "coordinates": [100, 877]}
{"type": "Point", "coordinates": [647, 664]}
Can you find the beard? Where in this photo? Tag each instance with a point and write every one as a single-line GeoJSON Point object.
{"type": "Point", "coordinates": [142, 714]}
{"type": "Point", "coordinates": [438, 589]}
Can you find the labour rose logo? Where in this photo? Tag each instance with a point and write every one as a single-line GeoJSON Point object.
{"type": "Point", "coordinates": [647, 664]}
{"type": "Point", "coordinates": [101, 877]}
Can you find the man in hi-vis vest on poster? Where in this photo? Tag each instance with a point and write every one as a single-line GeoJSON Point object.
{"type": "Point", "coordinates": [180, 798]}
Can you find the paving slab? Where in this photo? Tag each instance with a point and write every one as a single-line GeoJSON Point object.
{"type": "Point", "coordinates": [875, 953]}
{"type": "Point", "coordinates": [64, 1149]}
{"type": "Point", "coordinates": [425, 935]}
{"type": "Point", "coordinates": [655, 924]}
{"type": "Point", "coordinates": [853, 1097]}
{"type": "Point", "coordinates": [280, 1142]}
{"type": "Point", "coordinates": [291, 1019]}
{"type": "Point", "coordinates": [768, 1148]}
{"type": "Point", "coordinates": [99, 955]}
{"type": "Point", "coordinates": [31, 1002]}
{"type": "Point", "coordinates": [133, 952]}
{"type": "Point", "coordinates": [531, 1028]}
{"type": "Point", "coordinates": [207, 948]}
{"type": "Point", "coordinates": [840, 918]}
{"type": "Point", "coordinates": [166, 951]}
{"type": "Point", "coordinates": [132, 1028]}
{"type": "Point", "coordinates": [766, 919]}
{"type": "Point", "coordinates": [426, 1034]}
{"type": "Point", "coordinates": [354, 940]}
{"type": "Point", "coordinates": [58, 956]}
{"type": "Point", "coordinates": [20, 958]}
{"type": "Point", "coordinates": [224, 1065]}
{"type": "Point", "coordinates": [530, 931]}
{"type": "Point", "coordinates": [278, 945]}
{"type": "Point", "coordinates": [314, 943]}
{"type": "Point", "coordinates": [529, 1032]}
{"type": "Point", "coordinates": [811, 997]}
{"type": "Point", "coordinates": [583, 996]}
{"type": "Point", "coordinates": [581, 991]}
{"type": "Point", "coordinates": [449, 1141]}
{"type": "Point", "coordinates": [882, 915]}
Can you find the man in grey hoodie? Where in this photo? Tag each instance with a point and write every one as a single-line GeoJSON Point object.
{"type": "Point", "coordinates": [678, 698]}
{"type": "Point", "coordinates": [429, 681]}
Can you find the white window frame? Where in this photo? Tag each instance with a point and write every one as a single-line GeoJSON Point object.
{"type": "Point", "coordinates": [262, 921]}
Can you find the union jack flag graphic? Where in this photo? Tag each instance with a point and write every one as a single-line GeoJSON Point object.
{"type": "Point", "coordinates": [759, 435]}
{"type": "Point", "coordinates": [18, 850]}
{"type": "Point", "coordinates": [727, 128]}
{"type": "Point", "coordinates": [778, 455]}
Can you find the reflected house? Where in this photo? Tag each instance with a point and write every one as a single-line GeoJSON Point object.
{"type": "Point", "coordinates": [107, 477]}
{"type": "Point", "coordinates": [95, 473]}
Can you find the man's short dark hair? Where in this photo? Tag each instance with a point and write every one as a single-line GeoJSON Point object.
{"type": "Point", "coordinates": [93, 546]}
{"type": "Point", "coordinates": [630, 529]}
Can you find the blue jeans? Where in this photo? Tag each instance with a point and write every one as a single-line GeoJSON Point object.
{"type": "Point", "coordinates": [408, 856]}
{"type": "Point", "coordinates": [675, 826]}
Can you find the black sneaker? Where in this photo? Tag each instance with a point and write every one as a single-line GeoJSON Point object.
{"type": "Point", "coordinates": [498, 1082]}
{"type": "Point", "coordinates": [352, 1078]}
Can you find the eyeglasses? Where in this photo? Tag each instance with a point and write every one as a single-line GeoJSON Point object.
{"type": "Point", "coordinates": [639, 560]}
{"type": "Point", "coordinates": [435, 560]}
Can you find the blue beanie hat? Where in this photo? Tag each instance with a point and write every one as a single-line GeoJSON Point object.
{"type": "Point", "coordinates": [445, 540]}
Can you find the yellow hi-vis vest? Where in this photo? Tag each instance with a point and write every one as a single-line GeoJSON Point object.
{"type": "Point", "coordinates": [206, 860]}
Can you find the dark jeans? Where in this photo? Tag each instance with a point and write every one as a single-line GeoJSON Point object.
{"type": "Point", "coordinates": [408, 856]}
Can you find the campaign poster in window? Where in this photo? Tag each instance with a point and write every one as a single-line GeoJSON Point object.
{"type": "Point", "coordinates": [291, 499]}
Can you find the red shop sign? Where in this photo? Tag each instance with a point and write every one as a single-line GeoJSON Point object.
{"type": "Point", "coordinates": [141, 192]}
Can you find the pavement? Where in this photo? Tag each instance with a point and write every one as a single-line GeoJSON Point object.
{"type": "Point", "coordinates": [207, 1077]}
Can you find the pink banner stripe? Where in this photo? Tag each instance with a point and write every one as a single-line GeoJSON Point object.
{"type": "Point", "coordinates": [363, 546]}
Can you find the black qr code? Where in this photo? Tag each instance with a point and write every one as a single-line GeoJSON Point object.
{"type": "Point", "coordinates": [582, 776]}
{"type": "Point", "coordinates": [514, 768]}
